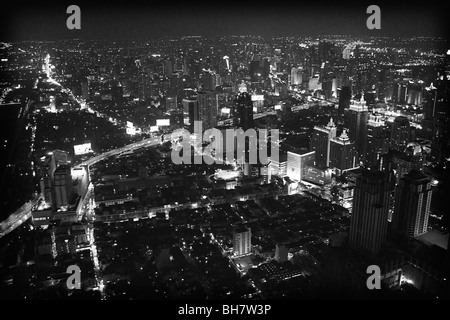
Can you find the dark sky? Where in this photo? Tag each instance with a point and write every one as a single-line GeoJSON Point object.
{"type": "Point", "coordinates": [153, 19]}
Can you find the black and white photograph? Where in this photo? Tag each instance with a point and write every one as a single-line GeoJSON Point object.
{"type": "Point", "coordinates": [219, 159]}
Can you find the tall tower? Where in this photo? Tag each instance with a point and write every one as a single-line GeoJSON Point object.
{"type": "Point", "coordinates": [343, 154]}
{"type": "Point", "coordinates": [320, 142]}
{"type": "Point", "coordinates": [191, 113]}
{"type": "Point", "coordinates": [345, 96]}
{"type": "Point", "coordinates": [56, 183]}
{"type": "Point", "coordinates": [412, 204]}
{"type": "Point", "coordinates": [296, 76]}
{"type": "Point", "coordinates": [413, 158]}
{"type": "Point", "coordinates": [377, 139]}
{"type": "Point", "coordinates": [62, 186]}
{"type": "Point", "coordinates": [357, 116]}
{"type": "Point", "coordinates": [242, 241]}
{"type": "Point", "coordinates": [400, 133]}
{"type": "Point", "coordinates": [244, 111]}
{"type": "Point", "coordinates": [208, 106]}
{"type": "Point", "coordinates": [210, 80]}
{"type": "Point", "coordinates": [369, 219]}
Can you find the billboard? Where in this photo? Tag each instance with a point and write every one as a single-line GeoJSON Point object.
{"type": "Point", "coordinates": [131, 131]}
{"type": "Point", "coordinates": [162, 122]}
{"type": "Point", "coordinates": [257, 97]}
{"type": "Point", "coordinates": [84, 148]}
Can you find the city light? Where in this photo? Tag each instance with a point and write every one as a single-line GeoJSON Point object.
{"type": "Point", "coordinates": [230, 166]}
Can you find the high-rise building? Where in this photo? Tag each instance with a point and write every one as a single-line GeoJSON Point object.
{"type": "Point", "coordinates": [415, 90]}
{"type": "Point", "coordinates": [278, 167]}
{"type": "Point", "coordinates": [191, 113]}
{"type": "Point", "coordinates": [208, 107]}
{"type": "Point", "coordinates": [343, 155]}
{"type": "Point", "coordinates": [297, 162]}
{"type": "Point", "coordinates": [345, 96]}
{"type": "Point", "coordinates": [400, 133]}
{"type": "Point", "coordinates": [242, 241]}
{"type": "Point", "coordinates": [62, 186]}
{"type": "Point", "coordinates": [296, 76]}
{"type": "Point", "coordinates": [210, 80]}
{"type": "Point", "coordinates": [335, 84]}
{"type": "Point", "coordinates": [413, 158]}
{"type": "Point", "coordinates": [171, 103]}
{"type": "Point", "coordinates": [46, 188]}
{"type": "Point", "coordinates": [357, 116]}
{"type": "Point", "coordinates": [369, 220]}
{"type": "Point", "coordinates": [57, 159]}
{"type": "Point", "coordinates": [243, 112]}
{"type": "Point", "coordinates": [412, 204]}
{"type": "Point", "coordinates": [377, 139]}
{"type": "Point", "coordinates": [281, 253]}
{"type": "Point", "coordinates": [320, 143]}
{"type": "Point", "coordinates": [255, 71]}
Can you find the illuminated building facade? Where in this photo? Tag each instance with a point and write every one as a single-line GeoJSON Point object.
{"type": "Point", "coordinates": [357, 116]}
{"type": "Point", "coordinates": [62, 186]}
{"type": "Point", "coordinates": [208, 107]}
{"type": "Point", "coordinates": [297, 164]}
{"type": "Point", "coordinates": [191, 113]}
{"type": "Point", "coordinates": [412, 204]}
{"type": "Point", "coordinates": [377, 139]}
{"type": "Point", "coordinates": [242, 241]}
{"type": "Point", "coordinates": [320, 143]}
{"type": "Point", "coordinates": [343, 155]}
{"type": "Point", "coordinates": [400, 133]}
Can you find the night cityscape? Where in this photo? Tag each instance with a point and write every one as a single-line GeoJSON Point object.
{"type": "Point", "coordinates": [308, 155]}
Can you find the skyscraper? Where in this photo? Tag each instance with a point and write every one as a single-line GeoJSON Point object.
{"type": "Point", "coordinates": [256, 71]}
{"type": "Point", "coordinates": [62, 186]}
{"type": "Point", "coordinates": [320, 143]}
{"type": "Point", "coordinates": [369, 219]}
{"type": "Point", "coordinates": [297, 162]}
{"type": "Point", "coordinates": [400, 133]}
{"type": "Point", "coordinates": [343, 154]}
{"type": "Point", "coordinates": [412, 204]}
{"type": "Point", "coordinates": [345, 96]}
{"type": "Point", "coordinates": [357, 116]}
{"type": "Point", "coordinates": [56, 181]}
{"type": "Point", "coordinates": [210, 80]}
{"type": "Point", "coordinates": [243, 112]}
{"type": "Point", "coordinates": [296, 76]}
{"type": "Point", "coordinates": [377, 139]}
{"type": "Point", "coordinates": [171, 103]}
{"type": "Point", "coordinates": [413, 158]}
{"type": "Point", "coordinates": [208, 106]}
{"type": "Point", "coordinates": [242, 241]}
{"type": "Point", "coordinates": [191, 113]}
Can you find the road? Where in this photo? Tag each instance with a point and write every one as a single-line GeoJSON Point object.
{"type": "Point", "coordinates": [17, 218]}
{"type": "Point", "coordinates": [150, 142]}
{"type": "Point", "coordinates": [24, 212]}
